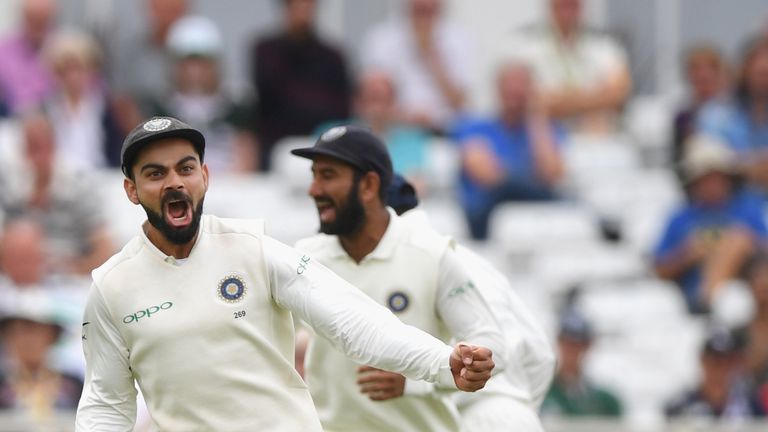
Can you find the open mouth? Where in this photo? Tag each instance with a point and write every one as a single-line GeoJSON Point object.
{"type": "Point", "coordinates": [326, 210]}
{"type": "Point", "coordinates": [178, 213]}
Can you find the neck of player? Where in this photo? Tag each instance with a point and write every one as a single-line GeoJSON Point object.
{"type": "Point", "coordinates": [178, 251]}
{"type": "Point", "coordinates": [365, 240]}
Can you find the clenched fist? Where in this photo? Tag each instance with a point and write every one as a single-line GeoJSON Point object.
{"type": "Point", "coordinates": [471, 366]}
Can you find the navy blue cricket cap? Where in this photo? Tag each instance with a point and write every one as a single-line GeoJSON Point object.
{"type": "Point", "coordinates": [355, 146]}
{"type": "Point", "coordinates": [155, 129]}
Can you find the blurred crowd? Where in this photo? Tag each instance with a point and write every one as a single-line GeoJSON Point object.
{"type": "Point", "coordinates": [72, 97]}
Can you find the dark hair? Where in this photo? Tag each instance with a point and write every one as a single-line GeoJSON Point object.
{"type": "Point", "coordinates": [357, 176]}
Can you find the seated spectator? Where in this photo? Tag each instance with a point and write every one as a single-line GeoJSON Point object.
{"type": "Point", "coordinates": [724, 392]}
{"type": "Point", "coordinates": [375, 108]}
{"type": "Point", "coordinates": [29, 384]}
{"type": "Point", "coordinates": [86, 131]}
{"type": "Point", "coordinates": [583, 74]}
{"type": "Point", "coordinates": [25, 79]}
{"type": "Point", "coordinates": [706, 74]}
{"type": "Point", "coordinates": [757, 348]}
{"type": "Point", "coordinates": [708, 239]}
{"type": "Point", "coordinates": [62, 199]}
{"type": "Point", "coordinates": [301, 81]}
{"type": "Point", "coordinates": [512, 157]}
{"type": "Point", "coordinates": [744, 123]}
{"type": "Point", "coordinates": [141, 64]}
{"type": "Point", "coordinates": [428, 59]}
{"type": "Point", "coordinates": [571, 393]}
{"type": "Point", "coordinates": [23, 258]}
{"type": "Point", "coordinates": [199, 99]}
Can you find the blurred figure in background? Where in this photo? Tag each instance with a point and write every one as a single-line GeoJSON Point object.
{"type": "Point", "coordinates": [709, 238]}
{"type": "Point", "coordinates": [85, 127]}
{"type": "Point", "coordinates": [199, 98]}
{"type": "Point", "coordinates": [429, 61]}
{"type": "Point", "coordinates": [61, 198]}
{"type": "Point", "coordinates": [512, 157]}
{"type": "Point", "coordinates": [23, 257]}
{"type": "Point", "coordinates": [706, 75]}
{"type": "Point", "coordinates": [571, 393]}
{"type": "Point", "coordinates": [30, 383]}
{"type": "Point", "coordinates": [584, 75]}
{"type": "Point", "coordinates": [724, 392]}
{"type": "Point", "coordinates": [757, 348]}
{"type": "Point", "coordinates": [25, 79]}
{"type": "Point", "coordinates": [744, 124]}
{"type": "Point", "coordinates": [141, 65]}
{"type": "Point", "coordinates": [375, 107]}
{"type": "Point", "coordinates": [301, 80]}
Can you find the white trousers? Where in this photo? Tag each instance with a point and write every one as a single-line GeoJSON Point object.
{"type": "Point", "coordinates": [499, 414]}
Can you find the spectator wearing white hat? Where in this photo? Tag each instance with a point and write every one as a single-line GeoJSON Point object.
{"type": "Point", "coordinates": [30, 326]}
{"type": "Point", "coordinates": [198, 97]}
{"type": "Point", "coordinates": [707, 239]}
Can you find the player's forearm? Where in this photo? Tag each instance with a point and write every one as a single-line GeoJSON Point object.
{"type": "Point", "coordinates": [369, 334]}
{"type": "Point", "coordinates": [364, 330]}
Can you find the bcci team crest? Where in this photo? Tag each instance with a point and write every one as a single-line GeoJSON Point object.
{"type": "Point", "coordinates": [157, 124]}
{"type": "Point", "coordinates": [232, 289]}
{"type": "Point", "coordinates": [398, 301]}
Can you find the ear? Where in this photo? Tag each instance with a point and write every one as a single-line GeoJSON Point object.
{"type": "Point", "coordinates": [130, 190]}
{"type": "Point", "coordinates": [204, 169]}
{"type": "Point", "coordinates": [369, 187]}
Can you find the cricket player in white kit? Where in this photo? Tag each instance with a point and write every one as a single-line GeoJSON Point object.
{"type": "Point", "coordinates": [415, 273]}
{"type": "Point", "coordinates": [197, 311]}
{"type": "Point", "coordinates": [511, 399]}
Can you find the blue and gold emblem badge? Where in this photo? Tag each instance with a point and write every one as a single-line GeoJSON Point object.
{"type": "Point", "coordinates": [398, 301]}
{"type": "Point", "coordinates": [232, 289]}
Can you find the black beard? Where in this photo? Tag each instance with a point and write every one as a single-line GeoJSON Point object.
{"type": "Point", "coordinates": [349, 219]}
{"type": "Point", "coordinates": [177, 236]}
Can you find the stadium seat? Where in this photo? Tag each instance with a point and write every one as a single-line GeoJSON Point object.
{"type": "Point", "coordinates": [443, 166]}
{"type": "Point", "coordinates": [590, 156]}
{"type": "Point", "coordinates": [446, 216]}
{"type": "Point", "coordinates": [567, 265]}
{"type": "Point", "coordinates": [292, 170]}
{"type": "Point", "coordinates": [10, 141]}
{"type": "Point", "coordinates": [624, 191]}
{"type": "Point", "coordinates": [529, 225]}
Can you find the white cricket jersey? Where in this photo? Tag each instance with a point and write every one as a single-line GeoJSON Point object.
{"type": "Point", "coordinates": [210, 342]}
{"type": "Point", "coordinates": [417, 276]}
{"type": "Point", "coordinates": [530, 362]}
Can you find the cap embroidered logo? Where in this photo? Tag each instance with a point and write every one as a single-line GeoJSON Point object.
{"type": "Point", "coordinates": [334, 133]}
{"type": "Point", "coordinates": [157, 124]}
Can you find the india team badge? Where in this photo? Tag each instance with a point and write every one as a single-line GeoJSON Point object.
{"type": "Point", "coordinates": [156, 124]}
{"type": "Point", "coordinates": [232, 289]}
{"type": "Point", "coordinates": [398, 301]}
